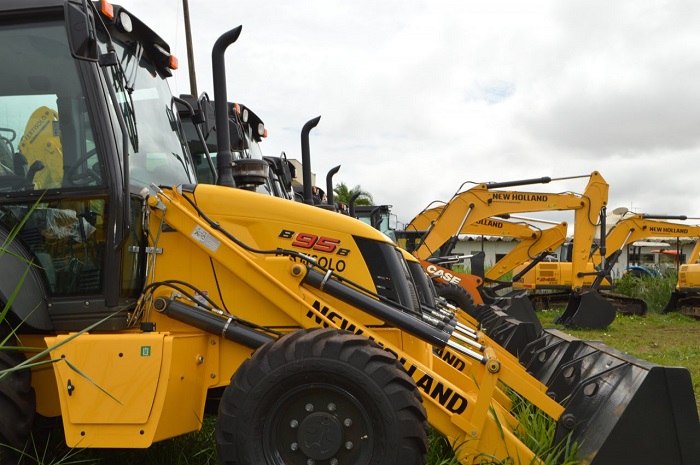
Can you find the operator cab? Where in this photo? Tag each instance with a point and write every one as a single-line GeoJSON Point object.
{"type": "Point", "coordinates": [251, 169]}
{"type": "Point", "coordinates": [75, 112]}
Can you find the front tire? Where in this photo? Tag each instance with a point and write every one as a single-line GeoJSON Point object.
{"type": "Point", "coordinates": [458, 296]}
{"type": "Point", "coordinates": [321, 396]}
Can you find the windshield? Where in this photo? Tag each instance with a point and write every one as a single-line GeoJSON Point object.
{"type": "Point", "coordinates": [158, 154]}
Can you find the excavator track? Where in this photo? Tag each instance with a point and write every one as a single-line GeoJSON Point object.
{"type": "Point", "coordinates": [626, 305]}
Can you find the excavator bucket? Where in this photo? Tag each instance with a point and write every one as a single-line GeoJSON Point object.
{"type": "Point", "coordinates": [672, 304]}
{"type": "Point", "coordinates": [683, 303]}
{"type": "Point", "coordinates": [618, 409]}
{"type": "Point", "coordinates": [587, 310]}
{"type": "Point", "coordinates": [518, 305]}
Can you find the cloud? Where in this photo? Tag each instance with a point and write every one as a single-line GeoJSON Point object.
{"type": "Point", "coordinates": [417, 97]}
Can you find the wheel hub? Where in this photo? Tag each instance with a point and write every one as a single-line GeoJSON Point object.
{"type": "Point", "coordinates": [318, 424]}
{"type": "Point", "coordinates": [320, 435]}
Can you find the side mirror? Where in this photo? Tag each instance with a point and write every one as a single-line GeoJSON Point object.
{"type": "Point", "coordinates": [393, 221]}
{"type": "Point", "coordinates": [80, 25]}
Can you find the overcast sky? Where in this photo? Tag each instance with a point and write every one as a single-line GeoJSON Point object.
{"type": "Point", "coordinates": [418, 97]}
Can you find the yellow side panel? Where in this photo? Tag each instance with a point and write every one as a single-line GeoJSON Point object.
{"type": "Point", "coordinates": [131, 389]}
{"type": "Point", "coordinates": [552, 275]}
{"type": "Point", "coordinates": [121, 376]}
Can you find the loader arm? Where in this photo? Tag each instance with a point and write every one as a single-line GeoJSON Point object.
{"type": "Point", "coordinates": [463, 405]}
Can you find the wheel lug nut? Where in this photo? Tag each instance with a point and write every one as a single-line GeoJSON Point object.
{"type": "Point", "coordinates": [331, 407]}
{"type": "Point", "coordinates": [294, 446]}
{"type": "Point", "coordinates": [293, 424]}
{"type": "Point", "coordinates": [334, 461]}
{"type": "Point", "coordinates": [309, 408]}
{"type": "Point", "coordinates": [311, 462]}
{"type": "Point", "coordinates": [348, 445]}
{"type": "Point", "coordinates": [347, 422]}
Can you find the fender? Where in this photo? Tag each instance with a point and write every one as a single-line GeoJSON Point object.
{"type": "Point", "coordinates": [29, 304]}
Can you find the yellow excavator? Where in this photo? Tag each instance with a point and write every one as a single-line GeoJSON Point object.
{"type": "Point", "coordinates": [585, 308]}
{"type": "Point", "coordinates": [635, 227]}
{"type": "Point", "coordinates": [638, 226]}
{"type": "Point", "coordinates": [686, 296]}
{"type": "Point", "coordinates": [555, 276]}
{"type": "Point", "coordinates": [133, 298]}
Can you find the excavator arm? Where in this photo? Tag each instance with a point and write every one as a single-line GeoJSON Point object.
{"type": "Point", "coordinates": [533, 241]}
{"type": "Point", "coordinates": [642, 226]}
{"type": "Point", "coordinates": [546, 240]}
{"type": "Point", "coordinates": [494, 226]}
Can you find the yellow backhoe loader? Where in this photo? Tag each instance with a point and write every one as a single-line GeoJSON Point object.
{"type": "Point", "coordinates": [150, 295]}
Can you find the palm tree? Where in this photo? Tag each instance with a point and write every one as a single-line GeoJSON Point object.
{"type": "Point", "coordinates": [343, 194]}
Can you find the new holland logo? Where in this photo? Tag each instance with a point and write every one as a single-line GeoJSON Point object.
{"type": "Point", "coordinates": [433, 388]}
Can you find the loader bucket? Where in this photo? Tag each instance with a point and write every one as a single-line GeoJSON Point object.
{"type": "Point", "coordinates": [510, 333]}
{"type": "Point", "coordinates": [519, 306]}
{"type": "Point", "coordinates": [618, 409]}
{"type": "Point", "coordinates": [587, 310]}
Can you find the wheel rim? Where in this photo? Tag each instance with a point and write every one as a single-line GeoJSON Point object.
{"type": "Point", "coordinates": [318, 424]}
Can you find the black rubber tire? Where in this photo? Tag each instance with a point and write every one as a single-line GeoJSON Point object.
{"type": "Point", "coordinates": [265, 418]}
{"type": "Point", "coordinates": [458, 296]}
{"type": "Point", "coordinates": [17, 402]}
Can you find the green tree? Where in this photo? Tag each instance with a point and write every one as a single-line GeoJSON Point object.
{"type": "Point", "coordinates": [343, 194]}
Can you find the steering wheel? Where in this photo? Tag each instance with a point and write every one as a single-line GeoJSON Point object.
{"type": "Point", "coordinates": [83, 178]}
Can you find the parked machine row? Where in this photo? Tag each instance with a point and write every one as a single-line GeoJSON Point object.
{"type": "Point", "coordinates": [150, 298]}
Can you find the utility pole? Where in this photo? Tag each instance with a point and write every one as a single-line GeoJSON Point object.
{"type": "Point", "coordinates": [190, 52]}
